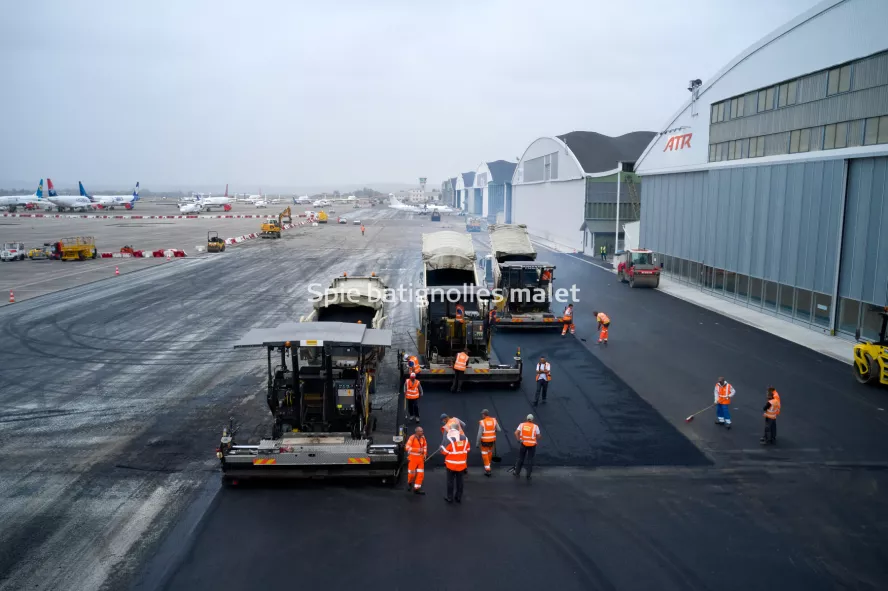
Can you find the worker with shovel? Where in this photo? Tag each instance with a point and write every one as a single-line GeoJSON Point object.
{"type": "Point", "coordinates": [486, 439]}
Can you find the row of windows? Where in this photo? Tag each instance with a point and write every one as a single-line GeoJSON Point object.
{"type": "Point", "coordinates": [795, 303]}
{"type": "Point", "coordinates": [861, 132]}
{"type": "Point", "coordinates": [608, 211]}
{"type": "Point", "coordinates": [838, 80]}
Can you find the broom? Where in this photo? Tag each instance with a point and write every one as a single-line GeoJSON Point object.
{"type": "Point", "coordinates": [691, 418]}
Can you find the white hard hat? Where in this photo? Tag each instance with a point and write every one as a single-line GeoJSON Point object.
{"type": "Point", "coordinates": [413, 375]}
{"type": "Point", "coordinates": [529, 417]}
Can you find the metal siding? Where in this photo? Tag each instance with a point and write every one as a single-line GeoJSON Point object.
{"type": "Point", "coordinates": [880, 291]}
{"type": "Point", "coordinates": [695, 181]}
{"type": "Point", "coordinates": [775, 224]}
{"type": "Point", "coordinates": [762, 208]}
{"type": "Point", "coordinates": [813, 87]}
{"type": "Point", "coordinates": [747, 221]}
{"type": "Point", "coordinates": [670, 214]}
{"type": "Point", "coordinates": [711, 230]}
{"type": "Point", "coordinates": [735, 208]}
{"type": "Point", "coordinates": [812, 195]}
{"type": "Point", "coordinates": [870, 72]}
{"type": "Point", "coordinates": [792, 262]}
{"type": "Point", "coordinates": [685, 228]}
{"type": "Point", "coordinates": [854, 239]}
{"type": "Point", "coordinates": [875, 241]}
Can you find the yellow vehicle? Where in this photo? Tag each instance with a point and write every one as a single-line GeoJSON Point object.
{"type": "Point", "coordinates": [322, 217]}
{"type": "Point", "coordinates": [43, 253]}
{"type": "Point", "coordinates": [77, 248]}
{"type": "Point", "coordinates": [214, 243]}
{"type": "Point", "coordinates": [272, 228]}
{"type": "Point", "coordinates": [871, 357]}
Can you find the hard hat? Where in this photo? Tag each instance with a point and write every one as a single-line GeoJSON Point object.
{"type": "Point", "coordinates": [413, 375]}
{"type": "Point", "coordinates": [405, 356]}
{"type": "Point", "coordinates": [485, 412]}
{"type": "Point", "coordinates": [444, 415]}
{"type": "Point", "coordinates": [529, 417]}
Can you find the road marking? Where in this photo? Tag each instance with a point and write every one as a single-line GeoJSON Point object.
{"type": "Point", "coordinates": [55, 277]}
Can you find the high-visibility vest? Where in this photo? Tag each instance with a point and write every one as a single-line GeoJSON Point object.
{"type": "Point", "coordinates": [417, 446]}
{"type": "Point", "coordinates": [723, 392]}
{"type": "Point", "coordinates": [411, 389]}
{"type": "Point", "coordinates": [456, 454]}
{"type": "Point", "coordinates": [461, 361]}
{"type": "Point", "coordinates": [460, 312]}
{"type": "Point", "coordinates": [488, 429]}
{"type": "Point", "coordinates": [568, 313]}
{"type": "Point", "coordinates": [527, 433]}
{"type": "Point", "coordinates": [415, 367]}
{"type": "Point", "coordinates": [547, 275]}
{"type": "Point", "coordinates": [774, 409]}
{"type": "Point", "coordinates": [544, 369]}
{"type": "Point", "coordinates": [602, 318]}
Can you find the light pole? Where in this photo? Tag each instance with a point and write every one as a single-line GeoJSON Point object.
{"type": "Point", "coordinates": [617, 229]}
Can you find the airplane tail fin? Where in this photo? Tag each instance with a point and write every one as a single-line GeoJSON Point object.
{"type": "Point", "coordinates": [136, 192]}
{"type": "Point", "coordinates": [83, 192]}
{"type": "Point", "coordinates": [50, 188]}
{"type": "Point", "coordinates": [39, 193]}
{"type": "Point", "coordinates": [226, 190]}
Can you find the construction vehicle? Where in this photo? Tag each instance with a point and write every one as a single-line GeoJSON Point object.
{"type": "Point", "coordinates": [871, 357]}
{"type": "Point", "coordinates": [636, 265]}
{"type": "Point", "coordinates": [214, 243]}
{"type": "Point", "coordinates": [43, 253]}
{"type": "Point", "coordinates": [127, 250]}
{"type": "Point", "coordinates": [473, 225]}
{"type": "Point", "coordinates": [272, 228]}
{"type": "Point", "coordinates": [13, 251]}
{"type": "Point", "coordinates": [318, 392]}
{"type": "Point", "coordinates": [77, 248]}
{"type": "Point", "coordinates": [436, 216]}
{"type": "Point", "coordinates": [351, 299]}
{"type": "Point", "coordinates": [322, 217]}
{"type": "Point", "coordinates": [453, 316]}
{"type": "Point", "coordinates": [521, 284]}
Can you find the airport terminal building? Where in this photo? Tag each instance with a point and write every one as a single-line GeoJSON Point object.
{"type": "Point", "coordinates": [770, 186]}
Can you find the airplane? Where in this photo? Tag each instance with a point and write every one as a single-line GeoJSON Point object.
{"type": "Point", "coordinates": [320, 203]}
{"type": "Point", "coordinates": [261, 203]}
{"type": "Point", "coordinates": [11, 202]}
{"type": "Point", "coordinates": [195, 207]}
{"type": "Point", "coordinates": [111, 201]}
{"type": "Point", "coordinates": [70, 202]}
{"type": "Point", "coordinates": [305, 200]}
{"type": "Point", "coordinates": [395, 204]}
{"type": "Point", "coordinates": [209, 201]}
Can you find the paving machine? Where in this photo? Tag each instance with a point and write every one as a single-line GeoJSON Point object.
{"type": "Point", "coordinates": [272, 228]}
{"type": "Point", "coordinates": [351, 299]}
{"type": "Point", "coordinates": [522, 285]}
{"type": "Point", "coordinates": [453, 316]}
{"type": "Point", "coordinates": [320, 399]}
{"type": "Point", "coordinates": [214, 243]}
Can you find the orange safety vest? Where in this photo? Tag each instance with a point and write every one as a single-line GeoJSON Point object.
{"type": "Point", "coordinates": [545, 370]}
{"type": "Point", "coordinates": [602, 318]}
{"type": "Point", "coordinates": [527, 434]}
{"type": "Point", "coordinates": [460, 312]}
{"type": "Point", "coordinates": [547, 275]}
{"type": "Point", "coordinates": [461, 361]}
{"type": "Point", "coordinates": [417, 446]}
{"type": "Point", "coordinates": [362, 227]}
{"type": "Point", "coordinates": [456, 454]}
{"type": "Point", "coordinates": [488, 429]}
{"type": "Point", "coordinates": [774, 410]}
{"type": "Point", "coordinates": [723, 391]}
{"type": "Point", "coordinates": [411, 390]}
{"type": "Point", "coordinates": [568, 314]}
{"type": "Point", "coordinates": [415, 368]}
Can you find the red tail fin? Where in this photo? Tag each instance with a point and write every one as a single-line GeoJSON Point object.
{"type": "Point", "coordinates": [49, 184]}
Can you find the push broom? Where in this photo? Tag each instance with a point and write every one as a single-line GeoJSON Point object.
{"type": "Point", "coordinates": [691, 418]}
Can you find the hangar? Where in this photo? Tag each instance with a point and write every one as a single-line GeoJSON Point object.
{"type": "Point", "coordinates": [493, 191]}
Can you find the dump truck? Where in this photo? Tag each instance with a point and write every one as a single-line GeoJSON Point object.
{"type": "Point", "coordinates": [272, 228]}
{"type": "Point", "coordinates": [522, 285]}
{"type": "Point", "coordinates": [453, 316]}
{"type": "Point", "coordinates": [636, 266]}
{"type": "Point", "coordinates": [318, 392]}
{"type": "Point", "coordinates": [357, 299]}
{"type": "Point", "coordinates": [76, 248]}
{"type": "Point", "coordinates": [214, 243]}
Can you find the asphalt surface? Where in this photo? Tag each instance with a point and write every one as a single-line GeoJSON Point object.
{"type": "Point", "coordinates": [113, 395]}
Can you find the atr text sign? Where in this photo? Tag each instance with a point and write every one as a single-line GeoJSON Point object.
{"type": "Point", "coordinates": [678, 142]}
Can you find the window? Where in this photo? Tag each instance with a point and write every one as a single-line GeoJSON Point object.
{"type": "Point", "coordinates": [752, 146]}
{"type": "Point", "coordinates": [760, 147]}
{"type": "Point", "coordinates": [832, 82]}
{"type": "Point", "coordinates": [743, 147]}
{"type": "Point", "coordinates": [770, 295]}
{"type": "Point", "coordinates": [841, 135]}
{"type": "Point", "coordinates": [849, 315]}
{"type": "Point", "coordinates": [713, 116]}
{"type": "Point", "coordinates": [730, 283]}
{"type": "Point", "coordinates": [870, 131]}
{"type": "Point", "coordinates": [719, 152]}
{"type": "Point", "coordinates": [712, 152]}
{"type": "Point", "coordinates": [821, 309]}
{"type": "Point", "coordinates": [732, 148]}
{"type": "Point", "coordinates": [721, 111]}
{"type": "Point", "coordinates": [694, 273]}
{"type": "Point", "coordinates": [803, 304]}
{"type": "Point", "coordinates": [786, 300]}
{"type": "Point", "coordinates": [769, 98]}
{"type": "Point", "coordinates": [718, 280]}
{"type": "Point", "coordinates": [816, 139]}
{"type": "Point", "coordinates": [792, 92]}
{"type": "Point", "coordinates": [755, 292]}
{"type": "Point", "coordinates": [794, 139]}
{"type": "Point", "coordinates": [845, 78]}
{"type": "Point", "coordinates": [838, 80]}
{"type": "Point", "coordinates": [782, 95]}
{"type": "Point", "coordinates": [872, 322]}
{"type": "Point", "coordinates": [761, 101]}
{"type": "Point", "coordinates": [742, 287]}
{"type": "Point", "coordinates": [740, 101]}
{"type": "Point", "coordinates": [883, 130]}
{"type": "Point", "coordinates": [829, 139]}
{"type": "Point", "coordinates": [804, 140]}
{"type": "Point", "coordinates": [706, 277]}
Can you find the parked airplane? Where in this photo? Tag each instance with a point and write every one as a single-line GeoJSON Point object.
{"type": "Point", "coordinates": [195, 207]}
{"type": "Point", "coordinates": [111, 201]}
{"type": "Point", "coordinates": [395, 204]}
{"type": "Point", "coordinates": [11, 202]}
{"type": "Point", "coordinates": [69, 202]}
{"type": "Point", "coordinates": [261, 203]}
{"type": "Point", "coordinates": [210, 202]}
{"type": "Point", "coordinates": [304, 200]}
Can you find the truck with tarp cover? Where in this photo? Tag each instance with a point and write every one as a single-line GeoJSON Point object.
{"type": "Point", "coordinates": [319, 395]}
{"type": "Point", "coordinates": [523, 286]}
{"type": "Point", "coordinates": [452, 311]}
{"type": "Point", "coordinates": [359, 299]}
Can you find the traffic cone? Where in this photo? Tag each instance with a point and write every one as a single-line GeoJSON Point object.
{"type": "Point", "coordinates": [117, 270]}
{"type": "Point", "coordinates": [11, 297]}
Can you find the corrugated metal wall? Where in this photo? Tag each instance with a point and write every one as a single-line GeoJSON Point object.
{"type": "Point", "coordinates": [865, 240]}
{"type": "Point", "coordinates": [778, 223]}
{"type": "Point", "coordinates": [496, 194]}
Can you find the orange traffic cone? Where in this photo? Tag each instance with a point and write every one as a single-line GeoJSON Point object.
{"type": "Point", "coordinates": [11, 297]}
{"type": "Point", "coordinates": [117, 270]}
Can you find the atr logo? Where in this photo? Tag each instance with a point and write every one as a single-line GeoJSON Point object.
{"type": "Point", "coordinates": [678, 142]}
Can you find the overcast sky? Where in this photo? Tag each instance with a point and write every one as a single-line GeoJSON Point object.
{"type": "Point", "coordinates": [298, 93]}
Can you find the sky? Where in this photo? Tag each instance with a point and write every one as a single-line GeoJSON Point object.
{"type": "Point", "coordinates": [290, 94]}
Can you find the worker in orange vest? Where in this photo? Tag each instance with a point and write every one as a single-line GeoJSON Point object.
{"type": "Point", "coordinates": [459, 369]}
{"type": "Point", "coordinates": [528, 434]}
{"type": "Point", "coordinates": [567, 319]}
{"type": "Point", "coordinates": [412, 392]}
{"type": "Point", "coordinates": [448, 423]}
{"type": "Point", "coordinates": [460, 313]}
{"type": "Point", "coordinates": [456, 456]}
{"type": "Point", "coordinates": [546, 275]}
{"type": "Point", "coordinates": [723, 394]}
{"type": "Point", "coordinates": [362, 229]}
{"type": "Point", "coordinates": [603, 325]}
{"type": "Point", "coordinates": [486, 439]}
{"type": "Point", "coordinates": [412, 363]}
{"type": "Point", "coordinates": [771, 412]}
{"type": "Point", "coordinates": [417, 452]}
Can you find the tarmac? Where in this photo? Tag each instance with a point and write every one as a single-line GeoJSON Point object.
{"type": "Point", "coordinates": [114, 392]}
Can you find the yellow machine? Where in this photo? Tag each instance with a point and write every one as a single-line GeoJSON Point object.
{"type": "Point", "coordinates": [322, 217]}
{"type": "Point", "coordinates": [871, 357]}
{"type": "Point", "coordinates": [78, 248]}
{"type": "Point", "coordinates": [272, 228]}
{"type": "Point", "coordinates": [214, 243]}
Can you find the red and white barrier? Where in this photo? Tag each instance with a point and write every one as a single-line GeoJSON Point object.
{"type": "Point", "coordinates": [132, 217]}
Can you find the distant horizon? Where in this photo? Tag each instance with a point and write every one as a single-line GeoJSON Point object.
{"type": "Point", "coordinates": [215, 188]}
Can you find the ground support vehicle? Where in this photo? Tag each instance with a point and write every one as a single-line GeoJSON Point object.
{"type": "Point", "coordinates": [77, 248]}
{"type": "Point", "coordinates": [322, 217]}
{"type": "Point", "coordinates": [320, 400]}
{"type": "Point", "coordinates": [436, 216]}
{"type": "Point", "coordinates": [523, 286]}
{"type": "Point", "coordinates": [473, 225]}
{"type": "Point", "coordinates": [272, 228]}
{"type": "Point", "coordinates": [43, 253]}
{"type": "Point", "coordinates": [871, 357]}
{"type": "Point", "coordinates": [214, 243]}
{"type": "Point", "coordinates": [453, 316]}
{"type": "Point", "coordinates": [13, 251]}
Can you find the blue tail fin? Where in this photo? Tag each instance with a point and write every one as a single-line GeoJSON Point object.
{"type": "Point", "coordinates": [39, 193]}
{"type": "Point", "coordinates": [83, 192]}
{"type": "Point", "coordinates": [136, 192]}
